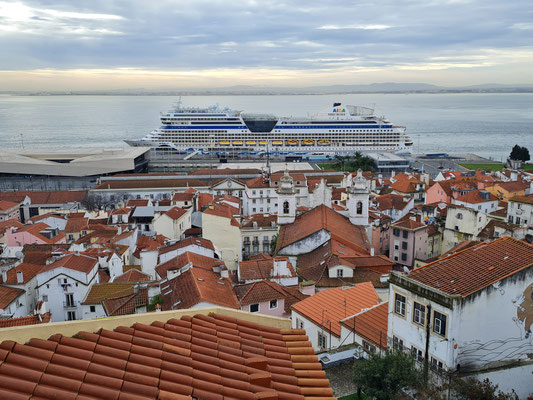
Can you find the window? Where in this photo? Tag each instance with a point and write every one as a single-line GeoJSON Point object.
{"type": "Point", "coordinates": [45, 297]}
{"type": "Point", "coordinates": [517, 220]}
{"type": "Point", "coordinates": [417, 354]}
{"type": "Point", "coordinates": [285, 207]}
{"type": "Point", "coordinates": [405, 234]}
{"type": "Point", "coordinates": [439, 323]}
{"type": "Point", "coordinates": [404, 245]}
{"type": "Point", "coordinates": [71, 315]}
{"type": "Point", "coordinates": [419, 314]}
{"type": "Point", "coordinates": [436, 365]}
{"type": "Point", "coordinates": [322, 341]}
{"type": "Point", "coordinates": [273, 304]}
{"type": "Point", "coordinates": [340, 273]}
{"type": "Point", "coordinates": [404, 256]}
{"type": "Point", "coordinates": [396, 232]}
{"type": "Point", "coordinates": [397, 343]}
{"type": "Point", "coordinates": [399, 304]}
{"type": "Point", "coordinates": [459, 216]}
{"type": "Point", "coordinates": [254, 307]}
{"type": "Point", "coordinates": [359, 208]}
{"type": "Point", "coordinates": [93, 308]}
{"type": "Point", "coordinates": [299, 324]}
{"type": "Point", "coordinates": [69, 300]}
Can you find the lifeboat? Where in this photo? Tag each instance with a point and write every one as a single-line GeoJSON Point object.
{"type": "Point", "coordinates": [251, 142]}
{"type": "Point", "coordinates": [263, 142]}
{"type": "Point", "coordinates": [292, 142]}
{"type": "Point", "coordinates": [308, 142]}
{"type": "Point", "coordinates": [224, 142]}
{"type": "Point", "coordinates": [277, 142]}
{"type": "Point", "coordinates": [237, 142]}
{"type": "Point", "coordinates": [323, 142]}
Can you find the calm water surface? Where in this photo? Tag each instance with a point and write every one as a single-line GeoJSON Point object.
{"type": "Point", "coordinates": [485, 124]}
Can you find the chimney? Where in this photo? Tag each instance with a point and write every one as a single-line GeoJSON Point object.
{"type": "Point", "coordinates": [158, 307]}
{"type": "Point", "coordinates": [20, 277]}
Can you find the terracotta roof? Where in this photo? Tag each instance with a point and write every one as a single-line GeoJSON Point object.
{"type": "Point", "coordinates": [8, 295]}
{"type": "Point", "coordinates": [105, 291]}
{"type": "Point", "coordinates": [7, 205]}
{"type": "Point", "coordinates": [403, 186]}
{"type": "Point", "coordinates": [194, 231]}
{"type": "Point", "coordinates": [512, 186]}
{"type": "Point", "coordinates": [72, 261]}
{"type": "Point", "coordinates": [121, 211]}
{"type": "Point", "coordinates": [391, 201]}
{"type": "Point", "coordinates": [138, 203]}
{"type": "Point", "coordinates": [492, 226]}
{"type": "Point", "coordinates": [409, 222]}
{"type": "Point", "coordinates": [36, 218]}
{"type": "Point", "coordinates": [328, 307]}
{"type": "Point", "coordinates": [460, 246]}
{"type": "Point", "coordinates": [256, 269]}
{"type": "Point", "coordinates": [36, 229]}
{"type": "Point", "coordinates": [76, 225]}
{"type": "Point", "coordinates": [22, 321]}
{"type": "Point", "coordinates": [371, 324]}
{"type": "Point", "coordinates": [202, 357]}
{"type": "Point", "coordinates": [132, 275]}
{"type": "Point", "coordinates": [475, 268]}
{"type": "Point", "coordinates": [258, 182]}
{"type": "Point", "coordinates": [28, 272]}
{"type": "Point", "coordinates": [523, 199]}
{"type": "Point", "coordinates": [183, 196]}
{"type": "Point", "coordinates": [52, 197]}
{"type": "Point", "coordinates": [222, 210]}
{"type": "Point", "coordinates": [475, 197]}
{"type": "Point", "coordinates": [197, 260]}
{"type": "Point", "coordinates": [263, 291]}
{"type": "Point", "coordinates": [149, 243]}
{"type": "Point", "coordinates": [127, 304]}
{"type": "Point", "coordinates": [191, 241]}
{"type": "Point", "coordinates": [197, 285]}
{"type": "Point", "coordinates": [175, 213]}
{"type": "Point", "coordinates": [8, 224]}
{"type": "Point", "coordinates": [322, 217]}
{"type": "Point", "coordinates": [103, 277]}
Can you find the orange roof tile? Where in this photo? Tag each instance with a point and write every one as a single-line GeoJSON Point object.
{"type": "Point", "coordinates": [523, 199]}
{"type": "Point", "coordinates": [183, 196]}
{"type": "Point", "coordinates": [76, 225]}
{"type": "Point", "coordinates": [475, 268]}
{"type": "Point", "coordinates": [328, 307]}
{"type": "Point", "coordinates": [409, 222]}
{"type": "Point", "coordinates": [197, 285]}
{"type": "Point", "coordinates": [322, 217]}
{"type": "Point", "coordinates": [22, 321]}
{"type": "Point", "coordinates": [152, 183]}
{"type": "Point", "coordinates": [4, 225]}
{"type": "Point", "coordinates": [196, 260]}
{"type": "Point", "coordinates": [203, 357]}
{"type": "Point", "coordinates": [371, 324]}
{"type": "Point", "coordinates": [28, 272]}
{"type": "Point", "coordinates": [391, 201]}
{"type": "Point", "coordinates": [223, 210]}
{"type": "Point", "coordinates": [72, 261]}
{"type": "Point", "coordinates": [512, 186]}
{"type": "Point", "coordinates": [191, 241]}
{"type": "Point", "coordinates": [8, 295]}
{"type": "Point", "coordinates": [175, 213]}
{"type": "Point", "coordinates": [475, 197]}
{"type": "Point", "coordinates": [263, 291]}
{"type": "Point", "coordinates": [127, 304]}
{"type": "Point", "coordinates": [51, 197]}
{"type": "Point", "coordinates": [132, 275]}
{"type": "Point", "coordinates": [403, 186]}
{"type": "Point", "coordinates": [7, 205]}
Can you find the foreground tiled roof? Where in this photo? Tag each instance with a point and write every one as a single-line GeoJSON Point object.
{"type": "Point", "coordinates": [475, 268]}
{"type": "Point", "coordinates": [328, 307]}
{"type": "Point", "coordinates": [371, 324]}
{"type": "Point", "coordinates": [204, 357]}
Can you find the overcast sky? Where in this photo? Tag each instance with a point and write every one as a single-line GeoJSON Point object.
{"type": "Point", "coordinates": [94, 44]}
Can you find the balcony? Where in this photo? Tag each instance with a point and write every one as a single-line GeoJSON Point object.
{"type": "Point", "coordinates": [70, 304]}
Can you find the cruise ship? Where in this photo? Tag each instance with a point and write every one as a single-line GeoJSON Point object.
{"type": "Point", "coordinates": [213, 131]}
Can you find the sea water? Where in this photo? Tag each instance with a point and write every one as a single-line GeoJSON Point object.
{"type": "Point", "coordinates": [485, 124]}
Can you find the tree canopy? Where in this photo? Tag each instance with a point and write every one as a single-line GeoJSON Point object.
{"type": "Point", "coordinates": [354, 162]}
{"type": "Point", "coordinates": [383, 376]}
{"type": "Point", "coordinates": [519, 153]}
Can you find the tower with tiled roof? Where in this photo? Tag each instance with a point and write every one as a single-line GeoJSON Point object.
{"type": "Point", "coordinates": [358, 199]}
{"type": "Point", "coordinates": [286, 200]}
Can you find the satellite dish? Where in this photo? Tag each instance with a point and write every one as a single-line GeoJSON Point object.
{"type": "Point", "coordinates": [19, 255]}
{"type": "Point", "coordinates": [406, 270]}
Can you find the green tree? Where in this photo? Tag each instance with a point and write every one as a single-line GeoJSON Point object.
{"type": "Point", "coordinates": [365, 163]}
{"type": "Point", "coordinates": [473, 389]}
{"type": "Point", "coordinates": [383, 376]}
{"type": "Point", "coordinates": [520, 153]}
{"type": "Point", "coordinates": [157, 299]}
